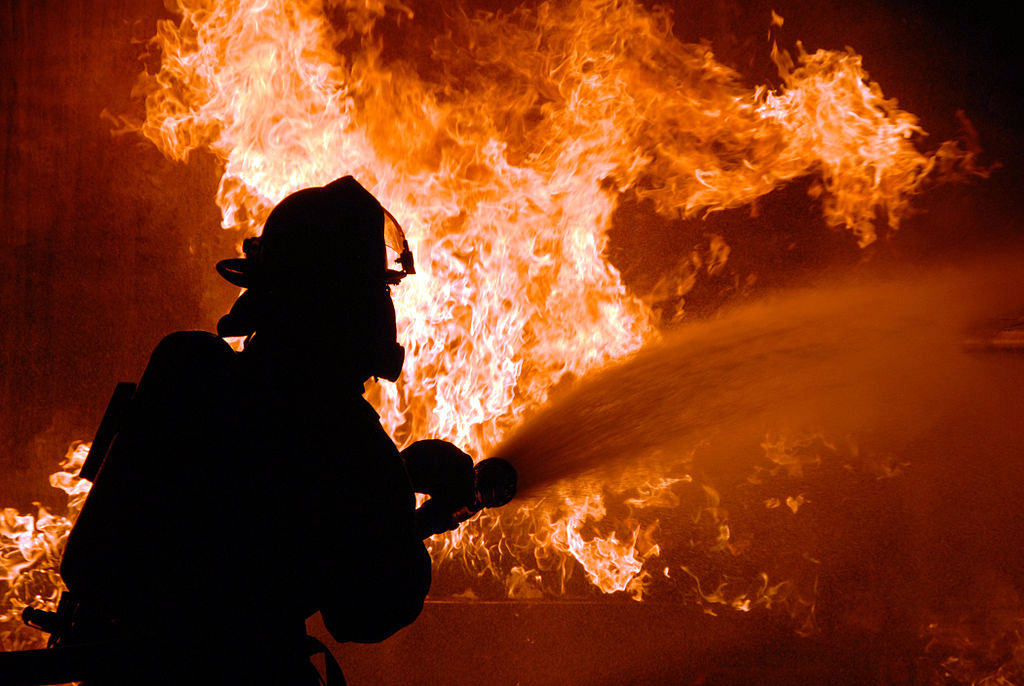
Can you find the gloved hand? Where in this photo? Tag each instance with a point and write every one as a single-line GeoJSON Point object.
{"type": "Point", "coordinates": [457, 489]}
{"type": "Point", "coordinates": [445, 473]}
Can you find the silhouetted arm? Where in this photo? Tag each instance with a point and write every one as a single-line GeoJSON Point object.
{"type": "Point", "coordinates": [445, 473]}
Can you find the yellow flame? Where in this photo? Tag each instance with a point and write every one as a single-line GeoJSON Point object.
{"type": "Point", "coordinates": [506, 170]}
{"type": "Point", "coordinates": [30, 552]}
{"type": "Point", "coordinates": [503, 145]}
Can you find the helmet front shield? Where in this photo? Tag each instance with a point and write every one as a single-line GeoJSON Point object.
{"type": "Point", "coordinates": [398, 250]}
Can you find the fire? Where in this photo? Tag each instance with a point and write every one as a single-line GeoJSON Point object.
{"type": "Point", "coordinates": [30, 551]}
{"type": "Point", "coordinates": [503, 146]}
{"type": "Point", "coordinates": [507, 171]}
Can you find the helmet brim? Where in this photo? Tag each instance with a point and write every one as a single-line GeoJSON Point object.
{"type": "Point", "coordinates": [235, 270]}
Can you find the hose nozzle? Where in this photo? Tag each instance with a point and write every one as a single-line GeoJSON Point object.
{"type": "Point", "coordinates": [496, 481]}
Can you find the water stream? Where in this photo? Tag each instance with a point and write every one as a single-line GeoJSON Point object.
{"type": "Point", "coordinates": [879, 356]}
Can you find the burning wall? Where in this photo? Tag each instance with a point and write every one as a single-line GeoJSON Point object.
{"type": "Point", "coordinates": [506, 143]}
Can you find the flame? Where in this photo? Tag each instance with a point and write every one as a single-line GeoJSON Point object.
{"type": "Point", "coordinates": [506, 173]}
{"type": "Point", "coordinates": [30, 552]}
{"type": "Point", "coordinates": [503, 146]}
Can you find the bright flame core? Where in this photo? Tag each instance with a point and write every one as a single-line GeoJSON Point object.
{"type": "Point", "coordinates": [503, 151]}
{"type": "Point", "coordinates": [30, 550]}
{"type": "Point", "coordinates": [505, 168]}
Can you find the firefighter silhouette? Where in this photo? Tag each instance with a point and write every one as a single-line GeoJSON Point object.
{"type": "Point", "coordinates": [239, 493]}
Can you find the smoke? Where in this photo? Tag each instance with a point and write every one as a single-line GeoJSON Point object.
{"type": "Point", "coordinates": [886, 357]}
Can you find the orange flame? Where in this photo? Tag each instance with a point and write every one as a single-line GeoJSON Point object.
{"type": "Point", "coordinates": [506, 174]}
{"type": "Point", "coordinates": [30, 552]}
{"type": "Point", "coordinates": [503, 151]}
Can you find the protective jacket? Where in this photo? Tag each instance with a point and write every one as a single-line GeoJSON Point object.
{"type": "Point", "coordinates": [233, 504]}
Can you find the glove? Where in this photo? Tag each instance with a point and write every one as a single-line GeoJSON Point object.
{"type": "Point", "coordinates": [445, 473]}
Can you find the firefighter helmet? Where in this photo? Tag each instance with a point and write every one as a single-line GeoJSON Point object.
{"type": "Point", "coordinates": [322, 263]}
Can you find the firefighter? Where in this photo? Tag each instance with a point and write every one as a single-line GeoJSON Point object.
{"type": "Point", "coordinates": [244, 492]}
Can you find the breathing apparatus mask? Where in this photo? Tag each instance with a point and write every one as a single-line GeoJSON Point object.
{"type": "Point", "coordinates": [323, 267]}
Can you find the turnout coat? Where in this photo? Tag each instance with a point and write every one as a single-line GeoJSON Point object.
{"type": "Point", "coordinates": [234, 502]}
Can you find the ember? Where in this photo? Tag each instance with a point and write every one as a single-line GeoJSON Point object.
{"type": "Point", "coordinates": [703, 462]}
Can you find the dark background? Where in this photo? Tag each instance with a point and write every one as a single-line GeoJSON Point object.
{"type": "Point", "coordinates": [106, 246]}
